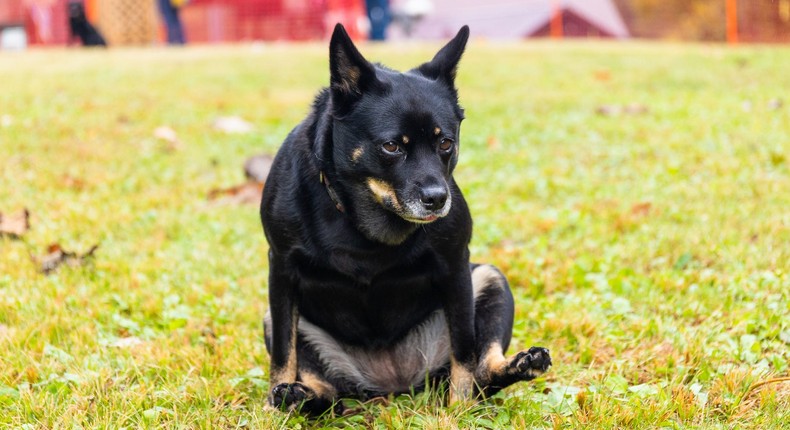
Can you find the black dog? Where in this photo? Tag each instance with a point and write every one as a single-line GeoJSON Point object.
{"type": "Point", "coordinates": [82, 28]}
{"type": "Point", "coordinates": [370, 286]}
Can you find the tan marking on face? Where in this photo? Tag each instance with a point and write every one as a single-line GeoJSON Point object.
{"type": "Point", "coordinates": [462, 382]}
{"type": "Point", "coordinates": [318, 384]}
{"type": "Point", "coordinates": [383, 191]}
{"type": "Point", "coordinates": [437, 130]}
{"type": "Point", "coordinates": [405, 139]}
{"type": "Point", "coordinates": [356, 154]}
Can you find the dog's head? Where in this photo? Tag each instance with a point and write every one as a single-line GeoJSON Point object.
{"type": "Point", "coordinates": [395, 136]}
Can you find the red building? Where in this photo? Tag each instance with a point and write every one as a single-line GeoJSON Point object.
{"type": "Point", "coordinates": [236, 20]}
{"type": "Point", "coordinates": [137, 22]}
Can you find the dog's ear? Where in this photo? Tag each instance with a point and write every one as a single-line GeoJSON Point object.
{"type": "Point", "coordinates": [350, 74]}
{"type": "Point", "coordinates": [445, 63]}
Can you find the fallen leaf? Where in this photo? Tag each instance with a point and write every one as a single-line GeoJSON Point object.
{"type": "Point", "coordinates": [126, 342]}
{"type": "Point", "coordinates": [166, 133]}
{"type": "Point", "coordinates": [56, 256]}
{"type": "Point", "coordinates": [73, 182]}
{"type": "Point", "coordinates": [15, 225]}
{"type": "Point", "coordinates": [602, 75]}
{"type": "Point", "coordinates": [232, 125]}
{"type": "Point", "coordinates": [607, 110]}
{"type": "Point", "coordinates": [246, 193]}
{"type": "Point", "coordinates": [635, 109]}
{"type": "Point", "coordinates": [257, 167]}
{"type": "Point", "coordinates": [493, 142]}
{"type": "Point", "coordinates": [616, 110]}
{"type": "Point", "coordinates": [641, 209]}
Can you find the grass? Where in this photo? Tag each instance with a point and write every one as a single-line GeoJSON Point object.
{"type": "Point", "coordinates": [649, 251]}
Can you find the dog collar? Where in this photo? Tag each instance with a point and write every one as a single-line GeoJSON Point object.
{"type": "Point", "coordinates": [331, 191]}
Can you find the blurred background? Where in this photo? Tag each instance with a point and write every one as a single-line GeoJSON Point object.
{"type": "Point", "coordinates": [26, 23]}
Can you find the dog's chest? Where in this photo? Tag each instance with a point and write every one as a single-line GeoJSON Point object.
{"type": "Point", "coordinates": [374, 309]}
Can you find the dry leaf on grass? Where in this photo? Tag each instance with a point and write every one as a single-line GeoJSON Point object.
{"type": "Point", "coordinates": [232, 125]}
{"type": "Point", "coordinates": [642, 208]}
{"type": "Point", "coordinates": [126, 342]}
{"type": "Point", "coordinates": [57, 256]}
{"type": "Point", "coordinates": [73, 182]}
{"type": "Point", "coordinates": [617, 110]}
{"type": "Point", "coordinates": [775, 104]}
{"type": "Point", "coordinates": [246, 193]}
{"type": "Point", "coordinates": [257, 167]}
{"type": "Point", "coordinates": [168, 135]}
{"type": "Point", "coordinates": [493, 143]}
{"type": "Point", "coordinates": [607, 110]}
{"type": "Point", "coordinates": [602, 75]}
{"type": "Point", "coordinates": [15, 225]}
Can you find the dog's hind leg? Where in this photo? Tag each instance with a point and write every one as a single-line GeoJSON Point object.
{"type": "Point", "coordinates": [494, 311]}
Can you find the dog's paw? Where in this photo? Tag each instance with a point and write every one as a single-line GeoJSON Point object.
{"type": "Point", "coordinates": [531, 363]}
{"type": "Point", "coordinates": [290, 397]}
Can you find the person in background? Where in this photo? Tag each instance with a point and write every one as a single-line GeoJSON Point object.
{"type": "Point", "coordinates": [81, 28]}
{"type": "Point", "coordinates": [380, 17]}
{"type": "Point", "coordinates": [169, 10]}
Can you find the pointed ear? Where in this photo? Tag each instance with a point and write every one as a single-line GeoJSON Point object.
{"type": "Point", "coordinates": [445, 63]}
{"type": "Point", "coordinates": [350, 74]}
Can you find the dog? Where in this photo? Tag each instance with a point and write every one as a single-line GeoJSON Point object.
{"type": "Point", "coordinates": [371, 290]}
{"type": "Point", "coordinates": [82, 28]}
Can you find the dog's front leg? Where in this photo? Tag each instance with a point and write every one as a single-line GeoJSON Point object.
{"type": "Point", "coordinates": [285, 393]}
{"type": "Point", "coordinates": [458, 304]}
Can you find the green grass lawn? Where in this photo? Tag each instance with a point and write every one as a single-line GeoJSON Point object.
{"type": "Point", "coordinates": [648, 247]}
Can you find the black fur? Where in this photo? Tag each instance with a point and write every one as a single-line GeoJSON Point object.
{"type": "Point", "coordinates": [82, 28]}
{"type": "Point", "coordinates": [369, 263]}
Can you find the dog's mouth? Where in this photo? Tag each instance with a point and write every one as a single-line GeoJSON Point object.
{"type": "Point", "coordinates": [423, 220]}
{"type": "Point", "coordinates": [416, 213]}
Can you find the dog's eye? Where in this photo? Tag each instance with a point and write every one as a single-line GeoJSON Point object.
{"type": "Point", "coordinates": [446, 144]}
{"type": "Point", "coordinates": [391, 147]}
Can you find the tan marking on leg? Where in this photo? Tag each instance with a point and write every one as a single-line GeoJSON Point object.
{"type": "Point", "coordinates": [462, 382]}
{"type": "Point", "coordinates": [383, 191]}
{"type": "Point", "coordinates": [493, 362]}
{"type": "Point", "coordinates": [287, 374]}
{"type": "Point", "coordinates": [318, 384]}
{"type": "Point", "coordinates": [405, 139]}
{"type": "Point", "coordinates": [356, 154]}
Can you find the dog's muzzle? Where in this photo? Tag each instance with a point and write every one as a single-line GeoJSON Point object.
{"type": "Point", "coordinates": [433, 203]}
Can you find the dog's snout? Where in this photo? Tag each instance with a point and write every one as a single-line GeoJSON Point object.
{"type": "Point", "coordinates": [433, 198]}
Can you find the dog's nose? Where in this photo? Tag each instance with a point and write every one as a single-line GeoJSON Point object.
{"type": "Point", "coordinates": [433, 198]}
